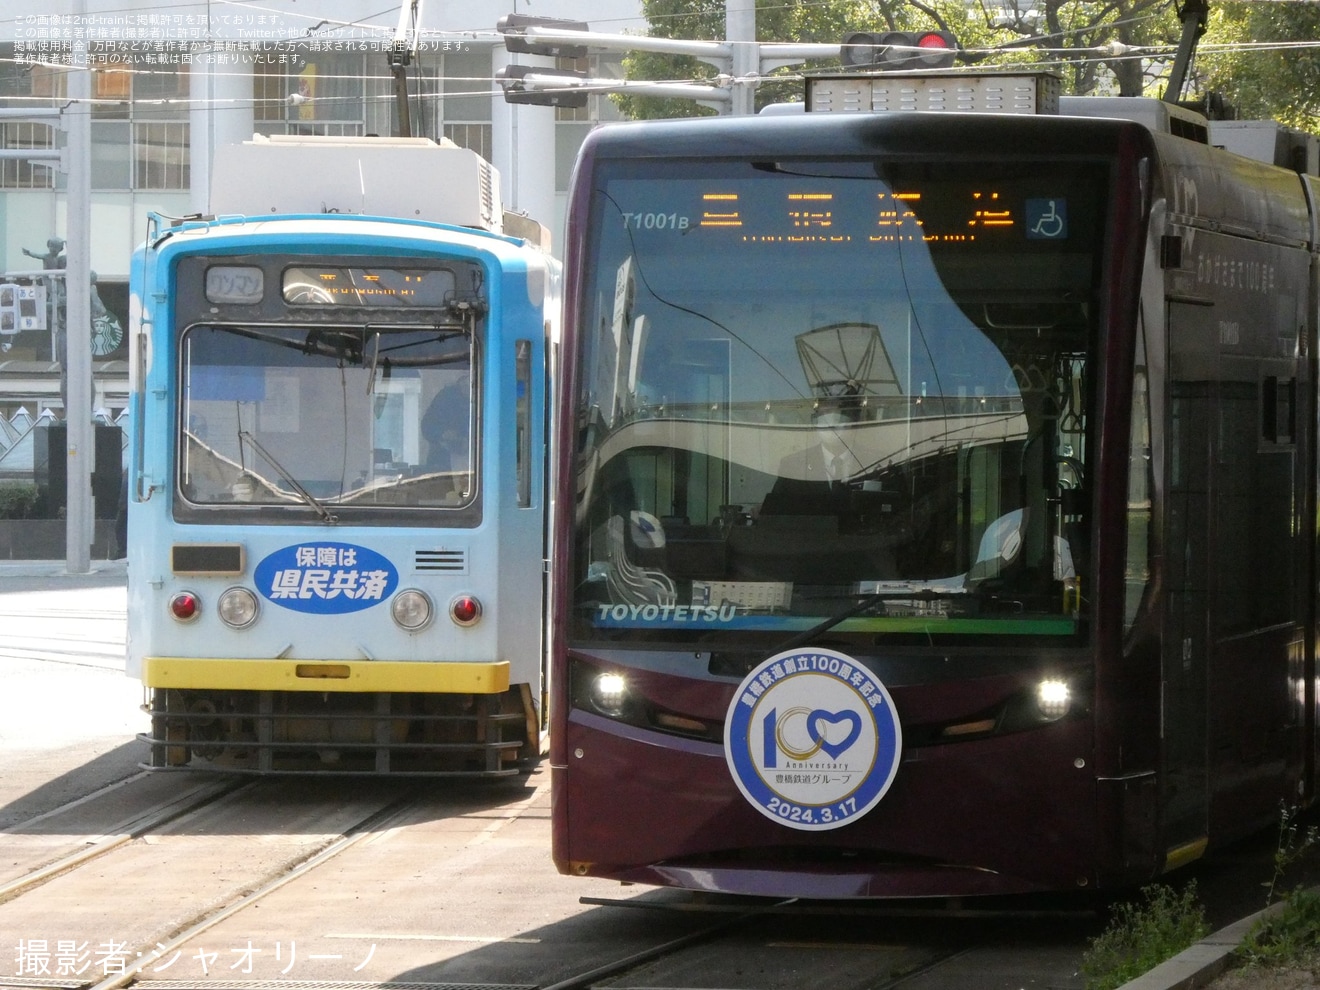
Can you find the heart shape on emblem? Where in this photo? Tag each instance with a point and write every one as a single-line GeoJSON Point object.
{"type": "Point", "coordinates": [820, 734]}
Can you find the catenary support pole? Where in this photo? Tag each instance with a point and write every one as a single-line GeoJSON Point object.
{"type": "Point", "coordinates": [740, 31]}
{"type": "Point", "coordinates": [79, 435]}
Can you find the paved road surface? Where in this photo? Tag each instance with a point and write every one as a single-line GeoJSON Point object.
{"type": "Point", "coordinates": [68, 713]}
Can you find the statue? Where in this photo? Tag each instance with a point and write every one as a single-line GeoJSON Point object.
{"type": "Point", "coordinates": [54, 256]}
{"type": "Point", "coordinates": [54, 259]}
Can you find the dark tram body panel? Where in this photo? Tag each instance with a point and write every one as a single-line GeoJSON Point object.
{"type": "Point", "coordinates": [677, 823]}
{"type": "Point", "coordinates": [1183, 499]}
{"type": "Point", "coordinates": [1236, 617]}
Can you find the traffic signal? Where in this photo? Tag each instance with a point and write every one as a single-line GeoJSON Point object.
{"type": "Point", "coordinates": [895, 50]}
{"type": "Point", "coordinates": [513, 79]}
{"type": "Point", "coordinates": [514, 28]}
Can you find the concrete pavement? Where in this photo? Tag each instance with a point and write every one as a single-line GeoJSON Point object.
{"type": "Point", "coordinates": [1196, 967]}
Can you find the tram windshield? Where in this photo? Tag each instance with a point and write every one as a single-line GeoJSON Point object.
{"type": "Point", "coordinates": [815, 388]}
{"type": "Point", "coordinates": [323, 420]}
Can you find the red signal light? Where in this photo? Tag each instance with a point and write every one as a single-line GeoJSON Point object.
{"type": "Point", "coordinates": [899, 50]}
{"type": "Point", "coordinates": [465, 610]}
{"type": "Point", "coordinates": [184, 606]}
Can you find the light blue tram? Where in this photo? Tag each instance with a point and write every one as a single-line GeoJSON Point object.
{"type": "Point", "coordinates": [337, 536]}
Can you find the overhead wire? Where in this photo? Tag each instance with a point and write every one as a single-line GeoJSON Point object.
{"type": "Point", "coordinates": [436, 42]}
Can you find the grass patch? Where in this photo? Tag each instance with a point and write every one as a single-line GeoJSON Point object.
{"type": "Point", "coordinates": [1142, 934]}
{"type": "Point", "coordinates": [1289, 936]}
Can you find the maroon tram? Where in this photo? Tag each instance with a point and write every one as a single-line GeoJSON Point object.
{"type": "Point", "coordinates": [937, 500]}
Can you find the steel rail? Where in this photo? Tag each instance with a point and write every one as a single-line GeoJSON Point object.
{"type": "Point", "coordinates": [132, 828]}
{"type": "Point", "coordinates": [584, 980]}
{"type": "Point", "coordinates": [351, 836]}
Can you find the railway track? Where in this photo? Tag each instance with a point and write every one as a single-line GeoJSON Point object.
{"type": "Point", "coordinates": [197, 871]}
{"type": "Point", "coordinates": [33, 858]}
{"type": "Point", "coordinates": [588, 979]}
{"type": "Point", "coordinates": [453, 887]}
{"type": "Point", "coordinates": [440, 886]}
{"type": "Point", "coordinates": [287, 873]}
{"type": "Point", "coordinates": [62, 881]}
{"type": "Point", "coordinates": [84, 637]}
{"type": "Point", "coordinates": [782, 944]}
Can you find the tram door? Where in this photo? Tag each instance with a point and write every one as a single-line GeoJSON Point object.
{"type": "Point", "coordinates": [1185, 795]}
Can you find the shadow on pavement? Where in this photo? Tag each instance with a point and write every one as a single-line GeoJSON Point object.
{"type": "Point", "coordinates": [300, 799]}
{"type": "Point", "coordinates": [806, 944]}
{"type": "Point", "coordinates": [115, 765]}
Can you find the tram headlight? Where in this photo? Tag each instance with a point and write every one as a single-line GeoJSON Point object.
{"type": "Point", "coordinates": [609, 694]}
{"type": "Point", "coordinates": [185, 606]}
{"type": "Point", "coordinates": [411, 610]}
{"type": "Point", "coordinates": [1053, 698]}
{"type": "Point", "coordinates": [237, 608]}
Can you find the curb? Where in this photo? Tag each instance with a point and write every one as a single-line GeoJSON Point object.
{"type": "Point", "coordinates": [1197, 965]}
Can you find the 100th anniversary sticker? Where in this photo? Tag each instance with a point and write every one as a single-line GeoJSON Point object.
{"type": "Point", "coordinates": [812, 739]}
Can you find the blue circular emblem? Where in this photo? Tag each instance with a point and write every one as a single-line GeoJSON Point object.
{"type": "Point", "coordinates": [325, 578]}
{"type": "Point", "coordinates": [812, 739]}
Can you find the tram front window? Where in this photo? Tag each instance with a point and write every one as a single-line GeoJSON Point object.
{"type": "Point", "coordinates": [327, 420]}
{"type": "Point", "coordinates": [812, 383]}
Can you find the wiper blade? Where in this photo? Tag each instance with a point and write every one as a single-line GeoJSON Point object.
{"type": "Point", "coordinates": [328, 517]}
{"type": "Point", "coordinates": [348, 343]}
{"type": "Point", "coordinates": [861, 607]}
{"type": "Point", "coordinates": [873, 594]}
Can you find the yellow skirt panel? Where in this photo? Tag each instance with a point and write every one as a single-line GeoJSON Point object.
{"type": "Point", "coordinates": [326, 675]}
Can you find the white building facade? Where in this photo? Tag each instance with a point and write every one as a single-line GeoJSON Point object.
{"type": "Point", "coordinates": [171, 82]}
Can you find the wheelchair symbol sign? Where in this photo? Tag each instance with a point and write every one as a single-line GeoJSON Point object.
{"type": "Point", "coordinates": [1047, 219]}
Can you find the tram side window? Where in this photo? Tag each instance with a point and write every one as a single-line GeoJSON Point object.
{"type": "Point", "coordinates": [1136, 570]}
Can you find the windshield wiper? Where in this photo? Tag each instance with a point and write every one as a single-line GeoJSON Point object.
{"type": "Point", "coordinates": [327, 517]}
{"type": "Point", "coordinates": [868, 600]}
{"type": "Point", "coordinates": [856, 608]}
{"type": "Point", "coordinates": [348, 344]}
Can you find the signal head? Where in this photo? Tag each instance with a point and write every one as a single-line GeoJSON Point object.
{"type": "Point", "coordinates": [897, 50]}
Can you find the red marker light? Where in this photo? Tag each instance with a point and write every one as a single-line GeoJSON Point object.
{"type": "Point", "coordinates": [184, 606]}
{"type": "Point", "coordinates": [465, 610]}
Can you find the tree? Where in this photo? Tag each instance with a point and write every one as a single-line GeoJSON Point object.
{"type": "Point", "coordinates": [703, 20]}
{"type": "Point", "coordinates": [1096, 47]}
{"type": "Point", "coordinates": [1251, 55]}
{"type": "Point", "coordinates": [1086, 42]}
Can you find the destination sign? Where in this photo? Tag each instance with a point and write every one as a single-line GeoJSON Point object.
{"type": "Point", "coordinates": [367, 288]}
{"type": "Point", "coordinates": [835, 211]}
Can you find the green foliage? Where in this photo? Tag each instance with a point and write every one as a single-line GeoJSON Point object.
{"type": "Point", "coordinates": [1292, 847]}
{"type": "Point", "coordinates": [1141, 935]}
{"type": "Point", "coordinates": [1098, 50]}
{"type": "Point", "coordinates": [669, 68]}
{"type": "Point", "coordinates": [703, 20]}
{"type": "Point", "coordinates": [1292, 934]}
{"type": "Point", "coordinates": [1070, 37]}
{"type": "Point", "coordinates": [18, 499]}
{"type": "Point", "coordinates": [1287, 938]}
{"type": "Point", "coordinates": [1253, 53]}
